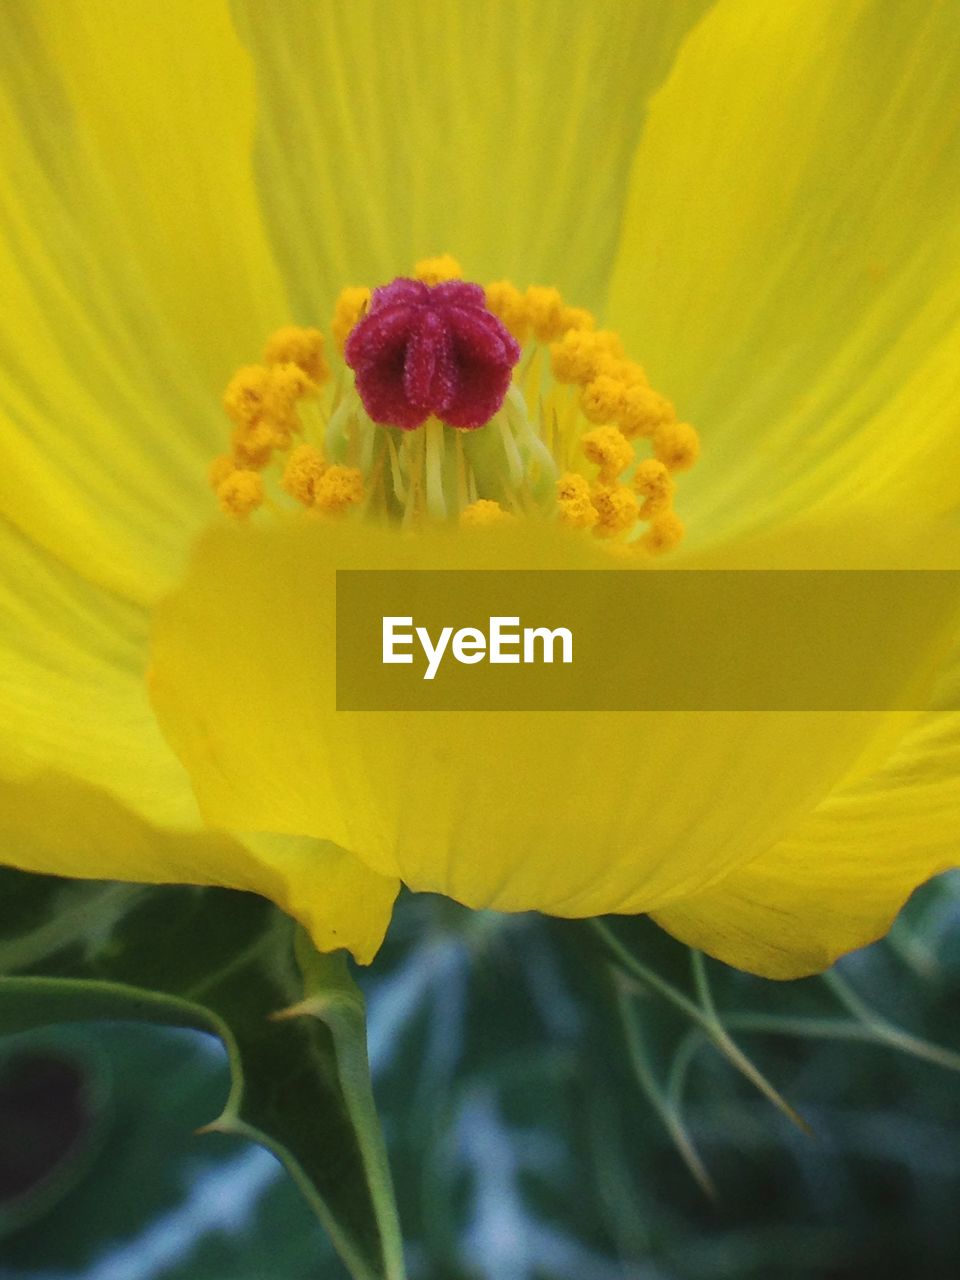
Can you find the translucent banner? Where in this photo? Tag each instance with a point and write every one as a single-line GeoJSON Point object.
{"type": "Point", "coordinates": [650, 641]}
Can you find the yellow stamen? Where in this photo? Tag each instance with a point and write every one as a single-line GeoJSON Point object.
{"type": "Point", "coordinates": [655, 486]}
{"type": "Point", "coordinates": [221, 467]}
{"type": "Point", "coordinates": [302, 347]}
{"type": "Point", "coordinates": [350, 306]}
{"type": "Point", "coordinates": [337, 489]}
{"type": "Point", "coordinates": [304, 469]}
{"type": "Point", "coordinates": [244, 396]}
{"type": "Point", "coordinates": [617, 509]}
{"type": "Point", "coordinates": [578, 319]}
{"type": "Point", "coordinates": [546, 309]}
{"type": "Point", "coordinates": [253, 445]}
{"type": "Point", "coordinates": [677, 445]}
{"type": "Point", "coordinates": [575, 508]}
{"type": "Point", "coordinates": [240, 493]}
{"type": "Point", "coordinates": [626, 371]}
{"type": "Point", "coordinates": [258, 394]}
{"type": "Point", "coordinates": [435, 270]}
{"type": "Point", "coordinates": [643, 411]}
{"type": "Point", "coordinates": [609, 449]}
{"type": "Point", "coordinates": [574, 358]}
{"type": "Point", "coordinates": [602, 400]}
{"type": "Point", "coordinates": [287, 385]}
{"type": "Point", "coordinates": [510, 306]}
{"type": "Point", "coordinates": [483, 513]}
{"type": "Point", "coordinates": [664, 533]}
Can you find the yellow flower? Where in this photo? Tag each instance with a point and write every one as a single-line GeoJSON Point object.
{"type": "Point", "coordinates": [761, 200]}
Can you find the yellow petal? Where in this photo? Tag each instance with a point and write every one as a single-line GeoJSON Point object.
{"type": "Point", "coordinates": [89, 788]}
{"type": "Point", "coordinates": [500, 133]}
{"type": "Point", "coordinates": [59, 826]}
{"type": "Point", "coordinates": [837, 881]}
{"type": "Point", "coordinates": [134, 272]}
{"type": "Point", "coordinates": [790, 258]}
{"type": "Point", "coordinates": [571, 813]}
{"type": "Point", "coordinates": [72, 689]}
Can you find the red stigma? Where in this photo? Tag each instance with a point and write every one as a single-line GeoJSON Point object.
{"type": "Point", "coordinates": [420, 351]}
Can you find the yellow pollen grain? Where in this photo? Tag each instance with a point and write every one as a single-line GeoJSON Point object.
{"type": "Point", "coordinates": [484, 514]}
{"type": "Point", "coordinates": [435, 270]}
{"type": "Point", "coordinates": [337, 489]}
{"type": "Point", "coordinates": [609, 342]}
{"type": "Point", "coordinates": [574, 505]}
{"type": "Point", "coordinates": [304, 469]}
{"type": "Point", "coordinates": [628, 372]}
{"type": "Point", "coordinates": [509, 305]}
{"type": "Point", "coordinates": [643, 411]}
{"type": "Point", "coordinates": [350, 307]}
{"type": "Point", "coordinates": [677, 445]}
{"type": "Point", "coordinates": [617, 509]}
{"type": "Point", "coordinates": [253, 445]}
{"type": "Point", "coordinates": [609, 449]}
{"type": "Point", "coordinates": [546, 309]}
{"type": "Point", "coordinates": [261, 396]}
{"type": "Point", "coordinates": [655, 486]}
{"type": "Point", "coordinates": [220, 468]}
{"type": "Point", "coordinates": [240, 493]}
{"type": "Point", "coordinates": [577, 318]}
{"type": "Point", "coordinates": [664, 533]}
{"type": "Point", "coordinates": [602, 399]}
{"type": "Point", "coordinates": [244, 396]}
{"type": "Point", "coordinates": [287, 384]}
{"type": "Point", "coordinates": [574, 358]}
{"type": "Point", "coordinates": [301, 347]}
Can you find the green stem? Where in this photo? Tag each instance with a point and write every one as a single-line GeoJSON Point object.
{"type": "Point", "coordinates": [333, 997]}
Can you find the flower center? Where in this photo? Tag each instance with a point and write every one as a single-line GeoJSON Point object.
{"type": "Point", "coordinates": [457, 403]}
{"type": "Point", "coordinates": [423, 351]}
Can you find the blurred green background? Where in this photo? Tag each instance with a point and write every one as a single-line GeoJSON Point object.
{"type": "Point", "coordinates": [533, 1135]}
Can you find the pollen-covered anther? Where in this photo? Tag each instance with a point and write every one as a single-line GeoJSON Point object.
{"type": "Point", "coordinates": [337, 489]}
{"type": "Point", "coordinates": [244, 396]}
{"type": "Point", "coordinates": [664, 533]}
{"type": "Point", "coordinates": [626, 371]}
{"type": "Point", "coordinates": [574, 357]}
{"type": "Point", "coordinates": [240, 493]}
{"type": "Point", "coordinates": [287, 384]}
{"type": "Point", "coordinates": [300, 347]}
{"type": "Point", "coordinates": [222, 466]}
{"type": "Point", "coordinates": [423, 352]}
{"type": "Point", "coordinates": [602, 399]}
{"type": "Point", "coordinates": [485, 514]}
{"type": "Point", "coordinates": [435, 270]}
{"type": "Point", "coordinates": [253, 445]}
{"type": "Point", "coordinates": [510, 306]}
{"type": "Point", "coordinates": [654, 486]}
{"type": "Point", "coordinates": [262, 401]}
{"type": "Point", "coordinates": [609, 449]}
{"type": "Point", "coordinates": [583, 354]}
{"type": "Point", "coordinates": [546, 309]}
{"type": "Point", "coordinates": [617, 509]}
{"type": "Point", "coordinates": [643, 411]}
{"type": "Point", "coordinates": [303, 472]}
{"type": "Point", "coordinates": [574, 505]}
{"type": "Point", "coordinates": [577, 319]}
{"type": "Point", "coordinates": [676, 445]}
{"type": "Point", "coordinates": [351, 306]}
